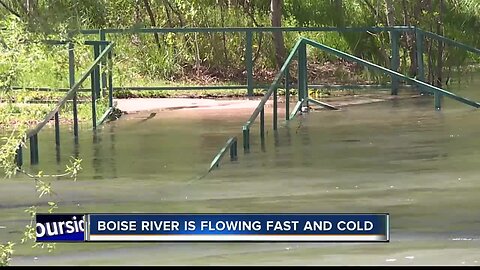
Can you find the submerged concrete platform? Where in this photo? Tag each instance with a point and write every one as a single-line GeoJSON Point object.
{"type": "Point", "coordinates": [158, 104]}
{"type": "Point", "coordinates": [133, 105]}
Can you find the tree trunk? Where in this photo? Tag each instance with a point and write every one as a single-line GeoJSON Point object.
{"type": "Point", "coordinates": [175, 10]}
{"type": "Point", "coordinates": [410, 41]}
{"type": "Point", "coordinates": [248, 8]}
{"type": "Point", "coordinates": [137, 18]}
{"type": "Point", "coordinates": [278, 42]}
{"type": "Point", "coordinates": [431, 74]}
{"type": "Point", "coordinates": [30, 10]}
{"type": "Point", "coordinates": [224, 38]}
{"type": "Point", "coordinates": [167, 12]}
{"type": "Point", "coordinates": [390, 12]}
{"type": "Point", "coordinates": [9, 9]}
{"type": "Point", "coordinates": [152, 21]}
{"type": "Point", "coordinates": [438, 81]}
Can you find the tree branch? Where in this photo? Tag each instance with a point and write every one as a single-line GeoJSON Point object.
{"type": "Point", "coordinates": [152, 21]}
{"type": "Point", "coordinates": [10, 9]}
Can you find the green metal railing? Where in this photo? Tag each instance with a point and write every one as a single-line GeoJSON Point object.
{"type": "Point", "coordinates": [100, 81]}
{"type": "Point", "coordinates": [248, 33]}
{"type": "Point", "coordinates": [93, 71]}
{"type": "Point", "coordinates": [420, 36]}
{"type": "Point", "coordinates": [230, 144]}
{"type": "Point", "coordinates": [303, 99]}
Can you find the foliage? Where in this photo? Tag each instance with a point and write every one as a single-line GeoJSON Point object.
{"type": "Point", "coordinates": [20, 54]}
{"type": "Point", "coordinates": [6, 251]}
{"type": "Point", "coordinates": [43, 187]}
{"type": "Point", "coordinates": [219, 57]}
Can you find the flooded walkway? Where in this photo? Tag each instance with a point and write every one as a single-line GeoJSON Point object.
{"type": "Point", "coordinates": [399, 156]}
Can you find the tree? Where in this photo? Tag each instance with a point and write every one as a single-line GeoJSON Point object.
{"type": "Point", "coordinates": [276, 18]}
{"type": "Point", "coordinates": [390, 12]}
{"type": "Point", "coordinates": [439, 81]}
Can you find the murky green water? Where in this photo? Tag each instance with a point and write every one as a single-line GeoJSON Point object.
{"type": "Point", "coordinates": [399, 157]}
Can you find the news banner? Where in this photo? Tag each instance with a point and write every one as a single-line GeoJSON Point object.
{"type": "Point", "coordinates": [212, 227]}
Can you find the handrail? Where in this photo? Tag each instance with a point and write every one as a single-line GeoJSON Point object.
{"type": "Point", "coordinates": [94, 71]}
{"type": "Point", "coordinates": [303, 93]}
{"type": "Point", "coordinates": [232, 144]}
{"type": "Point", "coordinates": [249, 32]}
{"type": "Point", "coordinates": [272, 87]}
{"type": "Point", "coordinates": [70, 93]}
{"type": "Point", "coordinates": [424, 85]}
{"type": "Point", "coordinates": [103, 118]}
{"type": "Point", "coordinates": [450, 41]}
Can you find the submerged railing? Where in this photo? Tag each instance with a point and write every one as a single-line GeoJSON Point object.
{"type": "Point", "coordinates": [93, 71]}
{"type": "Point", "coordinates": [103, 53]}
{"type": "Point", "coordinates": [230, 144]}
{"type": "Point", "coordinates": [303, 99]}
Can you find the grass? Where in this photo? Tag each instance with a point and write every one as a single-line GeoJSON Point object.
{"type": "Point", "coordinates": [16, 112]}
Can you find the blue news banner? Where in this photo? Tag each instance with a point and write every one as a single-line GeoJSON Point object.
{"type": "Point", "coordinates": [213, 227]}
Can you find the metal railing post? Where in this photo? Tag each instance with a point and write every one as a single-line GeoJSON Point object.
{"type": "Point", "coordinates": [94, 99]}
{"type": "Point", "coordinates": [262, 124]}
{"type": "Point", "coordinates": [395, 62]}
{"type": "Point", "coordinates": [246, 139]}
{"type": "Point", "coordinates": [102, 37]}
{"type": "Point", "coordinates": [287, 93]}
{"type": "Point", "coordinates": [302, 74]}
{"type": "Point", "coordinates": [110, 80]}
{"type": "Point", "coordinates": [19, 157]}
{"type": "Point", "coordinates": [437, 97]}
{"type": "Point", "coordinates": [57, 129]}
{"type": "Point", "coordinates": [96, 70]}
{"type": "Point", "coordinates": [233, 151]}
{"type": "Point", "coordinates": [34, 149]}
{"type": "Point", "coordinates": [71, 78]}
{"type": "Point", "coordinates": [249, 61]}
{"type": "Point", "coordinates": [275, 109]}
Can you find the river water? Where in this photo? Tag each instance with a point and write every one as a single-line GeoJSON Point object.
{"type": "Point", "coordinates": [399, 156]}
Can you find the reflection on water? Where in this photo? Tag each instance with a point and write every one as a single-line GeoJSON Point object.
{"type": "Point", "coordinates": [399, 157]}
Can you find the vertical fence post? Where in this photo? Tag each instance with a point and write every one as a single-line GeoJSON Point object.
{"type": "Point", "coordinates": [246, 139]}
{"type": "Point", "coordinates": [302, 73]}
{"type": "Point", "coordinates": [233, 150]}
{"type": "Point", "coordinates": [110, 80]}
{"type": "Point", "coordinates": [104, 61]}
{"type": "Point", "coordinates": [249, 61]}
{"type": "Point", "coordinates": [275, 108]}
{"type": "Point", "coordinates": [287, 92]}
{"type": "Point", "coordinates": [34, 149]}
{"type": "Point", "coordinates": [19, 156]}
{"type": "Point", "coordinates": [262, 124]}
{"type": "Point", "coordinates": [57, 129]}
{"type": "Point", "coordinates": [395, 62]}
{"type": "Point", "coordinates": [96, 70]}
{"type": "Point", "coordinates": [94, 99]}
{"type": "Point", "coordinates": [437, 99]}
{"type": "Point", "coordinates": [437, 96]}
{"type": "Point", "coordinates": [419, 44]}
{"type": "Point", "coordinates": [235, 144]}
{"type": "Point", "coordinates": [71, 78]}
